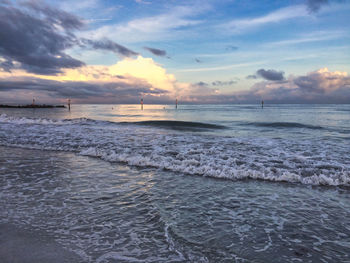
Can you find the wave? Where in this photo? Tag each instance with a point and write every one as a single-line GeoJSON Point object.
{"type": "Point", "coordinates": [284, 125]}
{"type": "Point", "coordinates": [226, 168]}
{"type": "Point", "coordinates": [309, 161]}
{"type": "Point", "coordinates": [231, 170]}
{"type": "Point", "coordinates": [169, 124]}
{"type": "Point", "coordinates": [178, 125]}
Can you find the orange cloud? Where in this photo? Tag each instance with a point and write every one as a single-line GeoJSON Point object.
{"type": "Point", "coordinates": [131, 72]}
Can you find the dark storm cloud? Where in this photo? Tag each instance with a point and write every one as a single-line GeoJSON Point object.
{"type": "Point", "coordinates": [106, 44]}
{"type": "Point", "coordinates": [35, 42]}
{"type": "Point", "coordinates": [34, 37]}
{"type": "Point", "coordinates": [6, 65]}
{"type": "Point", "coordinates": [80, 90]}
{"type": "Point", "coordinates": [5, 2]}
{"type": "Point", "coordinates": [270, 74]}
{"type": "Point", "coordinates": [315, 5]}
{"type": "Point", "coordinates": [223, 83]}
{"type": "Point", "coordinates": [55, 16]}
{"type": "Point", "coordinates": [155, 51]}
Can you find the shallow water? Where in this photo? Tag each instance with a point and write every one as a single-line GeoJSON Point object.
{"type": "Point", "coordinates": [114, 213]}
{"type": "Point", "coordinates": [198, 184]}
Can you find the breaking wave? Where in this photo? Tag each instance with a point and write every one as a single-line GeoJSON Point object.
{"type": "Point", "coordinates": [308, 161]}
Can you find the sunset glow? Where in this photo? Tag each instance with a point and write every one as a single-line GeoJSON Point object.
{"type": "Point", "coordinates": [207, 52]}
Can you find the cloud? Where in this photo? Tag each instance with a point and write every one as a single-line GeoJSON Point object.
{"type": "Point", "coordinates": [127, 81]}
{"type": "Point", "coordinates": [215, 83]}
{"type": "Point", "coordinates": [240, 25]}
{"type": "Point", "coordinates": [155, 51]}
{"type": "Point", "coordinates": [106, 44]}
{"type": "Point", "coordinates": [320, 86]}
{"type": "Point", "coordinates": [165, 26]}
{"type": "Point", "coordinates": [310, 37]}
{"type": "Point", "coordinates": [221, 68]}
{"type": "Point", "coordinates": [201, 84]}
{"type": "Point", "coordinates": [270, 74]}
{"type": "Point", "coordinates": [223, 83]}
{"type": "Point", "coordinates": [5, 2]}
{"type": "Point", "coordinates": [79, 7]}
{"type": "Point", "coordinates": [124, 82]}
{"type": "Point", "coordinates": [34, 43]}
{"type": "Point", "coordinates": [142, 2]}
{"type": "Point", "coordinates": [35, 36]}
{"type": "Point", "coordinates": [115, 91]}
{"type": "Point", "coordinates": [54, 16]}
{"type": "Point", "coordinates": [315, 5]}
{"type": "Point", "coordinates": [322, 81]}
{"type": "Point", "coordinates": [198, 93]}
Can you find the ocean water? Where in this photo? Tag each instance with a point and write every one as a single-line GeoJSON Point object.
{"type": "Point", "coordinates": [203, 183]}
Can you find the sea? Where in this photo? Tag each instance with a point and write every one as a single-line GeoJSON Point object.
{"type": "Point", "coordinates": [200, 183]}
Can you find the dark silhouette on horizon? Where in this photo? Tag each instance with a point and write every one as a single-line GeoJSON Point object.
{"type": "Point", "coordinates": [32, 106]}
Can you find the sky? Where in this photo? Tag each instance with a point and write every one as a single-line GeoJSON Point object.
{"type": "Point", "coordinates": [196, 51]}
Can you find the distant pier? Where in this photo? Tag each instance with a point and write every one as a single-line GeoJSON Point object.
{"type": "Point", "coordinates": [32, 106]}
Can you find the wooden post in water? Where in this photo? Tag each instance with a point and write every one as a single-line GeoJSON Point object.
{"type": "Point", "coordinates": [176, 104]}
{"type": "Point", "coordinates": [69, 104]}
{"type": "Point", "coordinates": [141, 103]}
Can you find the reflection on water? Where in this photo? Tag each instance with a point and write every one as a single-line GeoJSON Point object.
{"type": "Point", "coordinates": [251, 120]}
{"type": "Point", "coordinates": [115, 113]}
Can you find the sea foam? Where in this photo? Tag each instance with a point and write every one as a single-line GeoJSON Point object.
{"type": "Point", "coordinates": [315, 162]}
